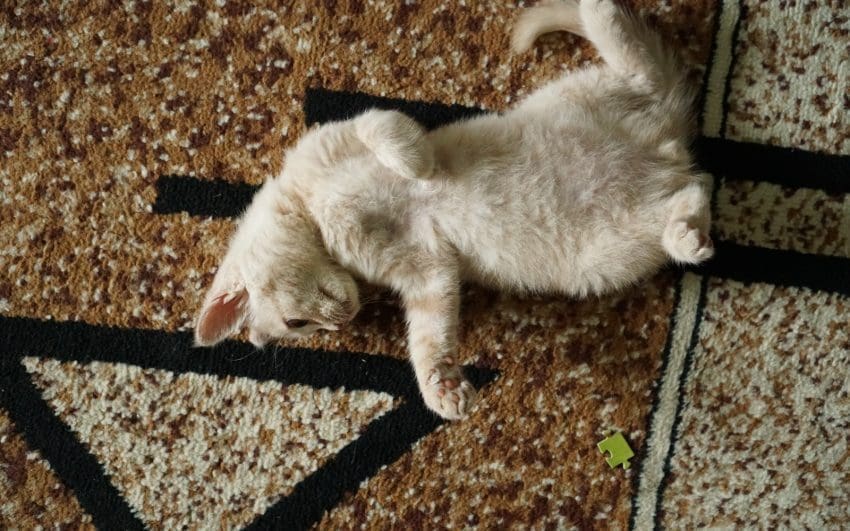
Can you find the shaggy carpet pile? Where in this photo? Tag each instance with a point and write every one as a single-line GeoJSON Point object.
{"type": "Point", "coordinates": [131, 134]}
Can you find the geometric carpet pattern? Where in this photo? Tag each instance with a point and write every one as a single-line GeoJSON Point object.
{"type": "Point", "coordinates": [204, 443]}
{"type": "Point", "coordinates": [132, 134]}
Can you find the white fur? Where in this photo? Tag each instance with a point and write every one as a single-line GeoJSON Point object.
{"type": "Point", "coordinates": [584, 187]}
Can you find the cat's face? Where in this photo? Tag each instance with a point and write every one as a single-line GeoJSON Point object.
{"type": "Point", "coordinates": [299, 300]}
{"type": "Point", "coordinates": [278, 281]}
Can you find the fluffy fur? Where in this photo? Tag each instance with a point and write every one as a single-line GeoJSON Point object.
{"type": "Point", "coordinates": [583, 188]}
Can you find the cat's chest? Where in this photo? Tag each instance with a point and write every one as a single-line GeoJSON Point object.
{"type": "Point", "coordinates": [367, 219]}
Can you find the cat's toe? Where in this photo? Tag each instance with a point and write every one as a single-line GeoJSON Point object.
{"type": "Point", "coordinates": [464, 398]}
{"type": "Point", "coordinates": [688, 244]}
{"type": "Point", "coordinates": [456, 403]}
{"type": "Point", "coordinates": [700, 246]}
{"type": "Point", "coordinates": [705, 247]}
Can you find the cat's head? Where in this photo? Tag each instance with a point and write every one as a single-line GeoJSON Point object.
{"type": "Point", "coordinates": [276, 279]}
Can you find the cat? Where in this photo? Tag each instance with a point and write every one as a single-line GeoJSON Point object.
{"type": "Point", "coordinates": [585, 187]}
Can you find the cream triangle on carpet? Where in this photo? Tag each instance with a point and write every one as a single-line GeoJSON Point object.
{"type": "Point", "coordinates": [199, 450]}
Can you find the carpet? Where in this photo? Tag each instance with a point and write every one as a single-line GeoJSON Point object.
{"type": "Point", "coordinates": [131, 134]}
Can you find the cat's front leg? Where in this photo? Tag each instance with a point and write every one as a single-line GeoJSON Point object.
{"type": "Point", "coordinates": [432, 319]}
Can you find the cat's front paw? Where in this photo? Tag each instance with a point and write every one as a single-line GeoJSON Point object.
{"type": "Point", "coordinates": [445, 390]}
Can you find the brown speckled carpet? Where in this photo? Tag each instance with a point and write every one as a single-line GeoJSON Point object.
{"type": "Point", "coordinates": [130, 134]}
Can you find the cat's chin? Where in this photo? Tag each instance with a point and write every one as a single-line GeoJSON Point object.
{"type": "Point", "coordinates": [257, 339]}
{"type": "Point", "coordinates": [260, 340]}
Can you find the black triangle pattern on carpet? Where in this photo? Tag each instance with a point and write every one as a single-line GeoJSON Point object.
{"type": "Point", "coordinates": [383, 441]}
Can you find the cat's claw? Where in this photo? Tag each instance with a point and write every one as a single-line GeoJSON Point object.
{"type": "Point", "coordinates": [689, 244]}
{"type": "Point", "coordinates": [447, 392]}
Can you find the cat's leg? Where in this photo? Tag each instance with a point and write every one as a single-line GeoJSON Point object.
{"type": "Point", "coordinates": [432, 320]}
{"type": "Point", "coordinates": [628, 45]}
{"type": "Point", "coordinates": [397, 141]}
{"type": "Point", "coordinates": [544, 18]}
{"type": "Point", "coordinates": [686, 235]}
{"type": "Point", "coordinates": [625, 43]}
{"type": "Point", "coordinates": [631, 51]}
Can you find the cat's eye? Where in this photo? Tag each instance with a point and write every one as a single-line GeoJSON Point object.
{"type": "Point", "coordinates": [297, 323]}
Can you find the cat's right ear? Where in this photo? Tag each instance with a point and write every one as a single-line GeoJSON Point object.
{"type": "Point", "coordinates": [221, 317]}
{"type": "Point", "coordinates": [223, 312]}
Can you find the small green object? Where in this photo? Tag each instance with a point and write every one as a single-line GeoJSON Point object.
{"type": "Point", "coordinates": [619, 451]}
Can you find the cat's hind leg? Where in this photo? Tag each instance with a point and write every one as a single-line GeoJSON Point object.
{"type": "Point", "coordinates": [398, 142]}
{"type": "Point", "coordinates": [686, 235]}
{"type": "Point", "coordinates": [625, 43]}
{"type": "Point", "coordinates": [629, 46]}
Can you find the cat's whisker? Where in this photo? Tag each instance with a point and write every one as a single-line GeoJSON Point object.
{"type": "Point", "coordinates": [245, 357]}
{"type": "Point", "coordinates": [274, 355]}
{"type": "Point", "coordinates": [379, 300]}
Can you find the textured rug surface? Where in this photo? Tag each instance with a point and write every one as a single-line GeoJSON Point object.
{"type": "Point", "coordinates": [132, 132]}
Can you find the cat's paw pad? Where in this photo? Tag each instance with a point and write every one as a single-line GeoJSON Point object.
{"type": "Point", "coordinates": [689, 244]}
{"type": "Point", "coordinates": [446, 391]}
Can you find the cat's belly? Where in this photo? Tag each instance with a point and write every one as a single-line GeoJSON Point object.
{"type": "Point", "coordinates": [549, 245]}
{"type": "Point", "coordinates": [597, 265]}
{"type": "Point", "coordinates": [564, 210]}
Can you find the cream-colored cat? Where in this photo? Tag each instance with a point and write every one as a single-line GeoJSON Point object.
{"type": "Point", "coordinates": [585, 187]}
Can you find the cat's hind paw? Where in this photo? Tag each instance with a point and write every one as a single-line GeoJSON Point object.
{"type": "Point", "coordinates": [687, 244]}
{"type": "Point", "coordinates": [446, 391]}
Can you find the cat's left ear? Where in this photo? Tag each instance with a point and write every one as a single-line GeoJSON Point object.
{"type": "Point", "coordinates": [223, 312]}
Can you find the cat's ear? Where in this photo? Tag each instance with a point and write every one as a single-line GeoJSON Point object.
{"type": "Point", "coordinates": [223, 312]}
{"type": "Point", "coordinates": [221, 316]}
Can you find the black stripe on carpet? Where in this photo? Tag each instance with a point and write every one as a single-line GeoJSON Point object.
{"type": "Point", "coordinates": [322, 105]}
{"type": "Point", "coordinates": [727, 85]}
{"type": "Point", "coordinates": [703, 90]}
{"type": "Point", "coordinates": [46, 433]}
{"type": "Point", "coordinates": [319, 492]}
{"type": "Point", "coordinates": [677, 420]}
{"type": "Point", "coordinates": [385, 440]}
{"type": "Point", "coordinates": [788, 167]}
{"type": "Point", "coordinates": [757, 264]}
{"type": "Point", "coordinates": [173, 351]}
{"type": "Point", "coordinates": [656, 400]}
{"type": "Point", "coordinates": [727, 159]}
{"type": "Point", "coordinates": [781, 268]}
{"type": "Point", "coordinates": [175, 194]}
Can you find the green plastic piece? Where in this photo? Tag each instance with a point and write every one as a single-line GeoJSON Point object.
{"type": "Point", "coordinates": [619, 451]}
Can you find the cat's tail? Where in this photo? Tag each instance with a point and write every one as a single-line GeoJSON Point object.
{"type": "Point", "coordinates": [545, 18]}
{"type": "Point", "coordinates": [626, 44]}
